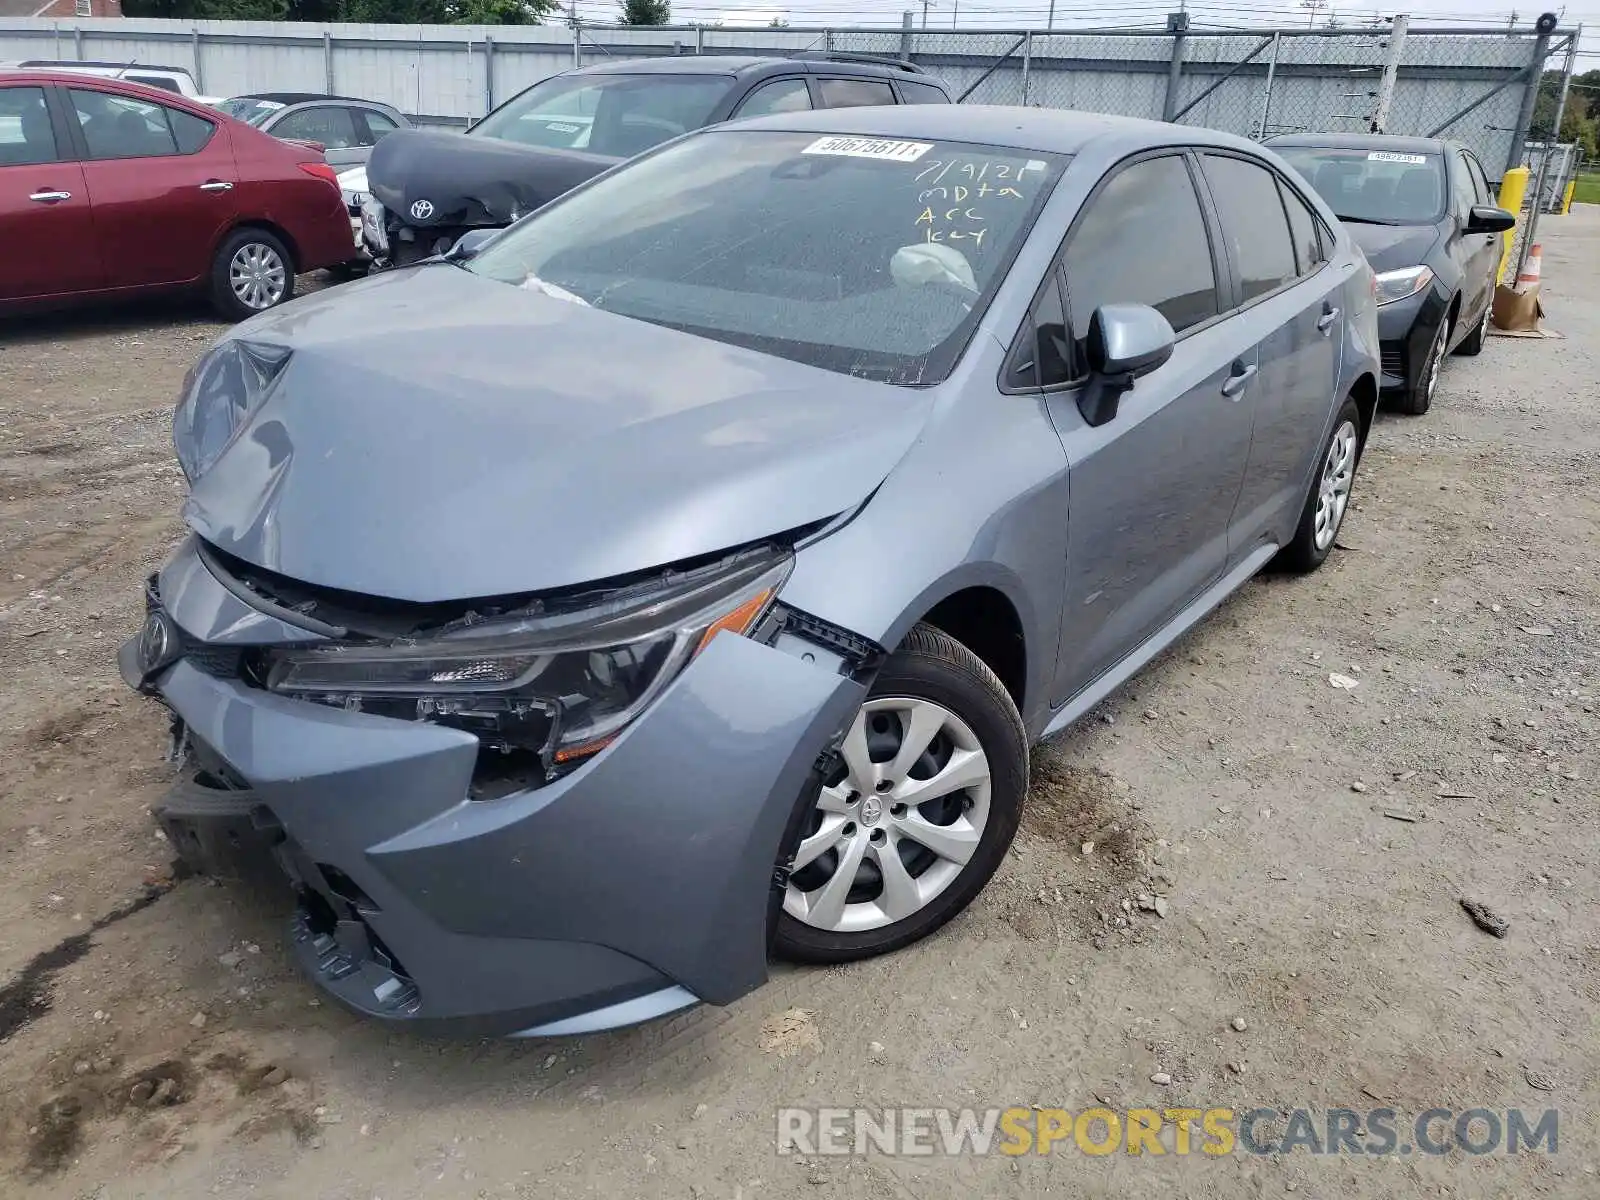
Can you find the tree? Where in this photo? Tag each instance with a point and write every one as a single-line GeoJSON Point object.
{"type": "Point", "coordinates": [1580, 120]}
{"type": "Point", "coordinates": [646, 12]}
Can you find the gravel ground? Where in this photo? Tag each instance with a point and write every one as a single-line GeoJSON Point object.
{"type": "Point", "coordinates": [155, 1041]}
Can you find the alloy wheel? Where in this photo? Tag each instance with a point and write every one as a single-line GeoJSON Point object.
{"type": "Point", "coordinates": [1333, 492]}
{"type": "Point", "coordinates": [258, 276]}
{"type": "Point", "coordinates": [897, 823]}
{"type": "Point", "coordinates": [1436, 360]}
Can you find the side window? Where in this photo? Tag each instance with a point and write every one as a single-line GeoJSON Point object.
{"type": "Point", "coordinates": [912, 92]}
{"type": "Point", "coordinates": [1042, 356]}
{"type": "Point", "coordinates": [1143, 240]}
{"type": "Point", "coordinates": [122, 127]}
{"type": "Point", "coordinates": [1303, 229]}
{"type": "Point", "coordinates": [1462, 196]}
{"type": "Point", "coordinates": [779, 96]}
{"type": "Point", "coordinates": [165, 82]}
{"type": "Point", "coordinates": [329, 124]}
{"type": "Point", "coordinates": [854, 93]}
{"type": "Point", "coordinates": [379, 126]}
{"type": "Point", "coordinates": [25, 133]}
{"type": "Point", "coordinates": [1253, 222]}
{"type": "Point", "coordinates": [1480, 182]}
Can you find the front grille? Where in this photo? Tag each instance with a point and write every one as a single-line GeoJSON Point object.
{"type": "Point", "coordinates": [1392, 360]}
{"type": "Point", "coordinates": [219, 661]}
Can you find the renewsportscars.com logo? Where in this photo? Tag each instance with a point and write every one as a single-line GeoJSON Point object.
{"type": "Point", "coordinates": [1215, 1132]}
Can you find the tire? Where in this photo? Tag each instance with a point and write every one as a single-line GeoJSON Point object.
{"type": "Point", "coordinates": [1328, 497]}
{"type": "Point", "coordinates": [1472, 345]}
{"type": "Point", "coordinates": [1418, 398]}
{"type": "Point", "coordinates": [252, 272]}
{"type": "Point", "coordinates": [931, 677]}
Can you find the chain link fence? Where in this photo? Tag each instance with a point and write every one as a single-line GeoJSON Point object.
{"type": "Point", "coordinates": [1474, 85]}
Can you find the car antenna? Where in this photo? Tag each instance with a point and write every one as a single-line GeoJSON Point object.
{"type": "Point", "coordinates": [124, 70]}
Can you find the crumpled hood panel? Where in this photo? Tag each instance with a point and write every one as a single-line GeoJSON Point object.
{"type": "Point", "coordinates": [436, 435]}
{"type": "Point", "coordinates": [470, 180]}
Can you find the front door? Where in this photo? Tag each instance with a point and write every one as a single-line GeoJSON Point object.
{"type": "Point", "coordinates": [1152, 490]}
{"type": "Point", "coordinates": [1482, 249]}
{"type": "Point", "coordinates": [161, 181]}
{"type": "Point", "coordinates": [47, 244]}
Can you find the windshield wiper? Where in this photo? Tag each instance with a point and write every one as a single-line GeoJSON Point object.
{"type": "Point", "coordinates": [1365, 220]}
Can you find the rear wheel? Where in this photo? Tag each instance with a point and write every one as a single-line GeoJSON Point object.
{"type": "Point", "coordinates": [1329, 496]}
{"type": "Point", "coordinates": [919, 812]}
{"type": "Point", "coordinates": [252, 272]}
{"type": "Point", "coordinates": [1472, 344]}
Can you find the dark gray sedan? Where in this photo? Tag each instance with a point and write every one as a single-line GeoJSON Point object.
{"type": "Point", "coordinates": [681, 575]}
{"type": "Point", "coordinates": [346, 128]}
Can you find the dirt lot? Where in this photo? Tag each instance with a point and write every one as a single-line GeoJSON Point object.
{"type": "Point", "coordinates": [154, 1041]}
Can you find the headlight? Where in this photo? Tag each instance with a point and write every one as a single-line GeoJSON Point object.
{"type": "Point", "coordinates": [220, 392]}
{"type": "Point", "coordinates": [558, 684]}
{"type": "Point", "coordinates": [1397, 285]}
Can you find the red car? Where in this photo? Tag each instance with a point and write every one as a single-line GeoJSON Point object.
{"type": "Point", "coordinates": [110, 188]}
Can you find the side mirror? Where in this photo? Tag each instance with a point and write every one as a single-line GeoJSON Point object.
{"type": "Point", "coordinates": [1125, 341]}
{"type": "Point", "coordinates": [469, 243]}
{"type": "Point", "coordinates": [1486, 218]}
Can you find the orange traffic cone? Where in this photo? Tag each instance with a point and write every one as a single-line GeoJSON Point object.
{"type": "Point", "coordinates": [1528, 277]}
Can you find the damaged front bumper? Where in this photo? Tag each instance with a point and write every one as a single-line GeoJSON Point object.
{"type": "Point", "coordinates": [642, 881]}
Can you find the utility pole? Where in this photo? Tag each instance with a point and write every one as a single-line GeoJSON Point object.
{"type": "Point", "coordinates": [1051, 22]}
{"type": "Point", "coordinates": [1314, 6]}
{"type": "Point", "coordinates": [925, 4]}
{"type": "Point", "coordinates": [1391, 68]}
{"type": "Point", "coordinates": [955, 12]}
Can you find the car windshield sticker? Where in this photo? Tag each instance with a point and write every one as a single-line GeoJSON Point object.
{"type": "Point", "coordinates": [562, 127]}
{"type": "Point", "coordinates": [1416, 160]}
{"type": "Point", "coordinates": [864, 147]}
{"type": "Point", "coordinates": [955, 193]}
{"type": "Point", "coordinates": [269, 105]}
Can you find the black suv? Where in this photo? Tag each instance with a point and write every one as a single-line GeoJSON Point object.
{"type": "Point", "coordinates": [428, 188]}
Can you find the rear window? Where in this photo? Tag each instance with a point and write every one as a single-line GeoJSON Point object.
{"type": "Point", "coordinates": [1383, 187]}
{"type": "Point", "coordinates": [921, 93]}
{"type": "Point", "coordinates": [867, 256]}
{"type": "Point", "coordinates": [616, 115]}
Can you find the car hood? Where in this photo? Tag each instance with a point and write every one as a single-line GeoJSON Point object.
{"type": "Point", "coordinates": [430, 178]}
{"type": "Point", "coordinates": [436, 435]}
{"type": "Point", "coordinates": [1391, 247]}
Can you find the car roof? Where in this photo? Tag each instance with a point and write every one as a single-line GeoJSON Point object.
{"type": "Point", "coordinates": [742, 64]}
{"type": "Point", "coordinates": [67, 64]}
{"type": "Point", "coordinates": [63, 77]}
{"type": "Point", "coordinates": [304, 98]}
{"type": "Point", "coordinates": [1362, 141]}
{"type": "Point", "coordinates": [1051, 130]}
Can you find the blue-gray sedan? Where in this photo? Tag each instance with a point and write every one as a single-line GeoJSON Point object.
{"type": "Point", "coordinates": [682, 575]}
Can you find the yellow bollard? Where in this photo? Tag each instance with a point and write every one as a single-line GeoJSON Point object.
{"type": "Point", "coordinates": [1513, 189]}
{"type": "Point", "coordinates": [1566, 196]}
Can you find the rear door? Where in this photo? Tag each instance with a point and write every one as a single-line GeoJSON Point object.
{"type": "Point", "coordinates": [161, 182]}
{"type": "Point", "coordinates": [333, 126]}
{"type": "Point", "coordinates": [47, 243]}
{"type": "Point", "coordinates": [787, 93]}
{"type": "Point", "coordinates": [1151, 489]}
{"type": "Point", "coordinates": [1291, 305]}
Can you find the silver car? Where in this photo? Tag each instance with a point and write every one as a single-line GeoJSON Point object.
{"type": "Point", "coordinates": [346, 129]}
{"type": "Point", "coordinates": [682, 575]}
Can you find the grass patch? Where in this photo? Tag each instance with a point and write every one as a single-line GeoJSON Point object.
{"type": "Point", "coordinates": [1588, 190]}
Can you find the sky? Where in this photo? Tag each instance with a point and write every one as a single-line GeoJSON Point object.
{"type": "Point", "coordinates": [1024, 14]}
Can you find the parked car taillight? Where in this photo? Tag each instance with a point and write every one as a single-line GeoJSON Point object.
{"type": "Point", "coordinates": [323, 172]}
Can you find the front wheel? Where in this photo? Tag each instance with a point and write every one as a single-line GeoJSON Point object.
{"type": "Point", "coordinates": [1329, 495]}
{"type": "Point", "coordinates": [252, 272]}
{"type": "Point", "coordinates": [1418, 398]}
{"type": "Point", "coordinates": [1472, 344]}
{"type": "Point", "coordinates": [917, 815]}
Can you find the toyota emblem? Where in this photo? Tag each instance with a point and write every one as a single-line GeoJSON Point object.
{"type": "Point", "coordinates": [422, 210]}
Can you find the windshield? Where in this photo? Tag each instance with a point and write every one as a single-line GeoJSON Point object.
{"type": "Point", "coordinates": [250, 111]}
{"type": "Point", "coordinates": [1383, 186]}
{"type": "Point", "coordinates": [867, 256]}
{"type": "Point", "coordinates": [615, 115]}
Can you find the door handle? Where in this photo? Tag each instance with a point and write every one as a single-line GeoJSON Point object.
{"type": "Point", "coordinates": [1326, 320]}
{"type": "Point", "coordinates": [1234, 383]}
{"type": "Point", "coordinates": [216, 185]}
{"type": "Point", "coordinates": [48, 197]}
